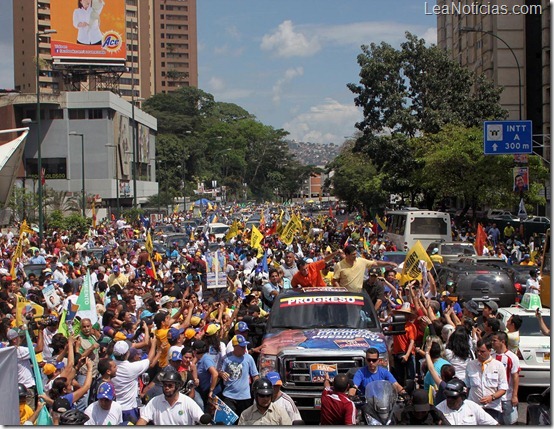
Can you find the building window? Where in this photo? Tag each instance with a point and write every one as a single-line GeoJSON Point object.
{"type": "Point", "coordinates": [55, 114]}
{"type": "Point", "coordinates": [54, 168]}
{"type": "Point", "coordinates": [95, 114]}
{"type": "Point", "coordinates": [77, 114]}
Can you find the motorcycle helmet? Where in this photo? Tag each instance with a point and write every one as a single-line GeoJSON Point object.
{"type": "Point", "coordinates": [22, 390]}
{"type": "Point", "coordinates": [454, 388]}
{"type": "Point", "coordinates": [73, 417]}
{"type": "Point", "coordinates": [262, 386]}
{"type": "Point", "coordinates": [171, 376]}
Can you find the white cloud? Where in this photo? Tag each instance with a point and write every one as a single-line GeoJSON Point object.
{"type": "Point", "coordinates": [287, 42]}
{"type": "Point", "coordinates": [233, 31]}
{"type": "Point", "coordinates": [304, 40]}
{"type": "Point", "coordinates": [218, 88]}
{"type": "Point", "coordinates": [430, 35]}
{"type": "Point", "coordinates": [228, 51]}
{"type": "Point", "coordinates": [216, 83]}
{"type": "Point", "coordinates": [290, 74]}
{"type": "Point", "coordinates": [328, 122]}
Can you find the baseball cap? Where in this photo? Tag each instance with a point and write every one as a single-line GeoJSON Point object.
{"type": "Point", "coordinates": [176, 356]}
{"type": "Point", "coordinates": [13, 333]}
{"type": "Point", "coordinates": [120, 348]}
{"type": "Point", "coordinates": [190, 333]}
{"type": "Point", "coordinates": [166, 299]}
{"type": "Point", "coordinates": [374, 271]}
{"type": "Point", "coordinates": [59, 265]}
{"type": "Point", "coordinates": [492, 305]}
{"type": "Point", "coordinates": [50, 368]}
{"type": "Point", "coordinates": [212, 329]}
{"type": "Point", "coordinates": [275, 378]}
{"type": "Point", "coordinates": [242, 326]}
{"type": "Point", "coordinates": [106, 390]}
{"type": "Point", "coordinates": [115, 269]}
{"type": "Point", "coordinates": [239, 340]}
{"type": "Point", "coordinates": [174, 333]}
{"type": "Point", "coordinates": [61, 405]}
{"type": "Point", "coordinates": [472, 306]}
{"type": "Point", "coordinates": [195, 320]}
{"type": "Point", "coordinates": [146, 314]}
{"type": "Point", "coordinates": [199, 345]}
{"type": "Point", "coordinates": [445, 293]}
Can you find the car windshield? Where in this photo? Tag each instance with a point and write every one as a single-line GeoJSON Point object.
{"type": "Point", "coordinates": [530, 326]}
{"type": "Point", "coordinates": [323, 311]}
{"type": "Point", "coordinates": [398, 258]}
{"type": "Point", "coordinates": [457, 249]}
{"type": "Point", "coordinates": [219, 229]}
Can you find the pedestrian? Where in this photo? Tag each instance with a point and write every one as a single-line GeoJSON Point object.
{"type": "Point", "coordinates": [264, 412]}
{"type": "Point", "coordinates": [104, 411]}
{"type": "Point", "coordinates": [336, 407]}
{"type": "Point", "coordinates": [510, 361]}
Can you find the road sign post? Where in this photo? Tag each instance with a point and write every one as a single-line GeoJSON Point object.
{"type": "Point", "coordinates": [508, 137]}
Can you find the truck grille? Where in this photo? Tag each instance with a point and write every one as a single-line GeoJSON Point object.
{"type": "Point", "coordinates": [295, 370]}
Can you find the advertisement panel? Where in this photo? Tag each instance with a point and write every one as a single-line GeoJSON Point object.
{"type": "Point", "coordinates": [88, 30]}
{"type": "Point", "coordinates": [521, 179]}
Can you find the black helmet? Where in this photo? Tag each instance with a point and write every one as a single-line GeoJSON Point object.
{"type": "Point", "coordinates": [455, 388]}
{"type": "Point", "coordinates": [171, 376]}
{"type": "Point", "coordinates": [73, 417]}
{"type": "Point", "coordinates": [262, 386]}
{"type": "Point", "coordinates": [23, 392]}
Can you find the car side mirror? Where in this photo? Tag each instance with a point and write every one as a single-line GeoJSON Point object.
{"type": "Point", "coordinates": [535, 398]}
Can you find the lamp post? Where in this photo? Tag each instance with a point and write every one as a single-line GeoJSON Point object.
{"type": "Point", "coordinates": [83, 195]}
{"type": "Point", "coordinates": [39, 140]}
{"type": "Point", "coordinates": [116, 176]}
{"type": "Point", "coordinates": [476, 30]}
{"type": "Point", "coordinates": [135, 139]}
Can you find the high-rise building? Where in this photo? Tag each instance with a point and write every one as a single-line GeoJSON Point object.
{"type": "Point", "coordinates": [162, 52]}
{"type": "Point", "coordinates": [512, 49]}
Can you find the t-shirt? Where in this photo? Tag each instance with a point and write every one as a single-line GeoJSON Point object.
{"type": "Point", "coordinates": [428, 379]}
{"type": "Point", "coordinates": [101, 417]}
{"type": "Point", "coordinates": [204, 376]}
{"type": "Point", "coordinates": [25, 412]}
{"type": "Point", "coordinates": [336, 408]}
{"type": "Point", "coordinates": [363, 377]}
{"type": "Point", "coordinates": [401, 342]}
{"type": "Point", "coordinates": [351, 276]}
{"type": "Point", "coordinates": [240, 369]}
{"type": "Point", "coordinates": [314, 277]}
{"type": "Point", "coordinates": [184, 412]}
{"type": "Point", "coordinates": [24, 371]}
{"type": "Point", "coordinates": [126, 382]}
{"type": "Point", "coordinates": [161, 336]}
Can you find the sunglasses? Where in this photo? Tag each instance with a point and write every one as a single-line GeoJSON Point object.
{"type": "Point", "coordinates": [372, 359]}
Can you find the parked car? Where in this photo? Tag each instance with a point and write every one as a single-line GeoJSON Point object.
{"type": "Point", "coordinates": [482, 260]}
{"type": "Point", "coordinates": [478, 282]}
{"type": "Point", "coordinates": [452, 251]}
{"type": "Point", "coordinates": [538, 408]}
{"type": "Point", "coordinates": [181, 240]}
{"type": "Point", "coordinates": [534, 347]}
{"type": "Point", "coordinates": [35, 269]}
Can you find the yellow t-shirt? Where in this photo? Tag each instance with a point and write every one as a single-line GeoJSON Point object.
{"type": "Point", "coordinates": [351, 277]}
{"type": "Point", "coordinates": [25, 413]}
{"type": "Point", "coordinates": [161, 336]}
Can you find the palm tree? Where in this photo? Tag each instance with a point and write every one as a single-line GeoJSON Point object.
{"type": "Point", "coordinates": [61, 201]}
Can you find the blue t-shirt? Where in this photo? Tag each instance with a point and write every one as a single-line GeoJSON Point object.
{"type": "Point", "coordinates": [428, 379]}
{"type": "Point", "coordinates": [204, 376]}
{"type": "Point", "coordinates": [363, 377]}
{"type": "Point", "coordinates": [240, 369]}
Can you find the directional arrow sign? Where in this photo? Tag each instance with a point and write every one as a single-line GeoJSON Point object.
{"type": "Point", "coordinates": [508, 137]}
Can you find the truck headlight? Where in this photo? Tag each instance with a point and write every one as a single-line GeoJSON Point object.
{"type": "Point", "coordinates": [267, 363]}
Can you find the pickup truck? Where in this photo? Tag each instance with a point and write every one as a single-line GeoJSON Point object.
{"type": "Point", "coordinates": [314, 331]}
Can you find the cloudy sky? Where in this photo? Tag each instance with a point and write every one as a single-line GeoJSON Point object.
{"type": "Point", "coordinates": [286, 61]}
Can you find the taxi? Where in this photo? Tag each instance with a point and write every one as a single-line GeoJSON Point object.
{"type": "Point", "coordinates": [534, 347]}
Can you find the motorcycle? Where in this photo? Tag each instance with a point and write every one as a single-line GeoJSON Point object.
{"type": "Point", "coordinates": [382, 404]}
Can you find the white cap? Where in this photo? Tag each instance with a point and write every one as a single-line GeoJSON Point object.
{"type": "Point", "coordinates": [120, 348]}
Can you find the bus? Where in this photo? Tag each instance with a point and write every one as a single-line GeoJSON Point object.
{"type": "Point", "coordinates": [406, 227]}
{"type": "Point", "coordinates": [545, 272]}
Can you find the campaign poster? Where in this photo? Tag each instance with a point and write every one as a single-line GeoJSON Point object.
{"type": "Point", "coordinates": [521, 179]}
{"type": "Point", "coordinates": [122, 138]}
{"type": "Point", "coordinates": [88, 30]}
{"type": "Point", "coordinates": [51, 297]}
{"type": "Point", "coordinates": [224, 414]}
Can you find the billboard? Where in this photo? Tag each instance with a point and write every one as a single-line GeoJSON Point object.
{"type": "Point", "coordinates": [521, 179]}
{"type": "Point", "coordinates": [88, 30]}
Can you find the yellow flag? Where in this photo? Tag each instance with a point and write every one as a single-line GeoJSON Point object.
{"type": "Point", "coordinates": [288, 232]}
{"type": "Point", "coordinates": [210, 206]}
{"type": "Point", "coordinates": [15, 257]}
{"type": "Point", "coordinates": [233, 231]}
{"type": "Point", "coordinates": [411, 270]}
{"type": "Point", "coordinates": [20, 306]}
{"type": "Point", "coordinates": [93, 208]}
{"type": "Point", "coordinates": [148, 243]}
{"type": "Point", "coordinates": [297, 221]}
{"type": "Point", "coordinates": [256, 238]}
{"type": "Point", "coordinates": [25, 228]}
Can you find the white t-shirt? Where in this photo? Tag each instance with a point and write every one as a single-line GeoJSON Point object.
{"type": "Point", "coordinates": [126, 382]}
{"type": "Point", "coordinates": [100, 417]}
{"type": "Point", "coordinates": [24, 371]}
{"type": "Point", "coordinates": [183, 412]}
{"type": "Point", "coordinates": [469, 414]}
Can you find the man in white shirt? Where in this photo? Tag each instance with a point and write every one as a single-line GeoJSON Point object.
{"type": "Point", "coordinates": [486, 379]}
{"type": "Point", "coordinates": [105, 411]}
{"type": "Point", "coordinates": [511, 364]}
{"type": "Point", "coordinates": [460, 411]}
{"type": "Point", "coordinates": [173, 407]}
{"type": "Point", "coordinates": [59, 274]}
{"type": "Point", "coordinates": [532, 285]}
{"type": "Point", "coordinates": [126, 379]}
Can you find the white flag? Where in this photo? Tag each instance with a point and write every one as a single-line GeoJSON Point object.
{"type": "Point", "coordinates": [86, 301]}
{"type": "Point", "coordinates": [522, 213]}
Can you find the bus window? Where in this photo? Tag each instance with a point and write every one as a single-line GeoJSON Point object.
{"type": "Point", "coordinates": [421, 225]}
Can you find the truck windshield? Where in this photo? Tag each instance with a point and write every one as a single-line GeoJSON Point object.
{"type": "Point", "coordinates": [322, 311]}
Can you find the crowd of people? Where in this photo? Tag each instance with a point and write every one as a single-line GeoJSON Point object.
{"type": "Point", "coordinates": [163, 348]}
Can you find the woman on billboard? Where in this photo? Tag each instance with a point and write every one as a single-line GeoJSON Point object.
{"type": "Point", "coordinates": [86, 19]}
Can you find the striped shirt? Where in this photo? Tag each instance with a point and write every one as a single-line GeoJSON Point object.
{"type": "Point", "coordinates": [511, 363]}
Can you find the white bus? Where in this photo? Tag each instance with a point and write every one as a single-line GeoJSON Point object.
{"type": "Point", "coordinates": [406, 227]}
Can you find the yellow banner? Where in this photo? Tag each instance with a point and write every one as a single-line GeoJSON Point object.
{"type": "Point", "coordinates": [288, 232]}
{"type": "Point", "coordinates": [256, 238]}
{"type": "Point", "coordinates": [21, 304]}
{"type": "Point", "coordinates": [148, 243]}
{"type": "Point", "coordinates": [233, 231]}
{"type": "Point", "coordinates": [411, 270]}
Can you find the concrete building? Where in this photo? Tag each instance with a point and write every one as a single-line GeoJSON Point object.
{"type": "Point", "coordinates": [517, 59]}
{"type": "Point", "coordinates": [161, 51]}
{"type": "Point", "coordinates": [104, 119]}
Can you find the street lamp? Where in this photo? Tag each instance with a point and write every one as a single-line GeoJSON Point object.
{"type": "Point", "coordinates": [476, 30]}
{"type": "Point", "coordinates": [39, 140]}
{"type": "Point", "coordinates": [135, 136]}
{"type": "Point", "coordinates": [74, 133]}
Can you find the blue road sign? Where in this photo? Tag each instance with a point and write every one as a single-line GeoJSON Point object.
{"type": "Point", "coordinates": [508, 137]}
